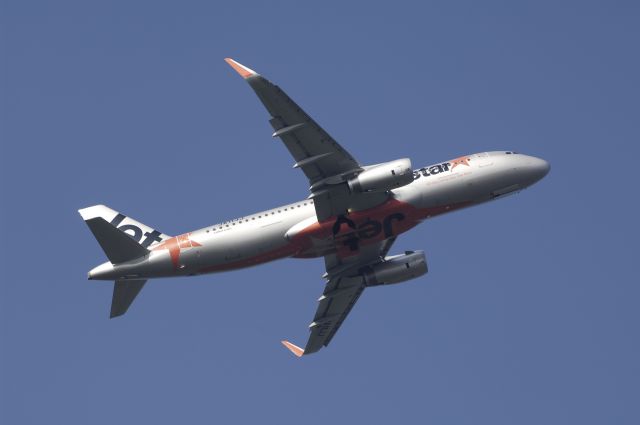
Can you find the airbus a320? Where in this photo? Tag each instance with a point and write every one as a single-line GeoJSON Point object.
{"type": "Point", "coordinates": [351, 218]}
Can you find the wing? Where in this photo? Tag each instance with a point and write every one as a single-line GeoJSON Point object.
{"type": "Point", "coordinates": [342, 291]}
{"type": "Point", "coordinates": [325, 163]}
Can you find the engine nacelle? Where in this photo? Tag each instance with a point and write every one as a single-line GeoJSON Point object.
{"type": "Point", "coordinates": [396, 269]}
{"type": "Point", "coordinates": [383, 177]}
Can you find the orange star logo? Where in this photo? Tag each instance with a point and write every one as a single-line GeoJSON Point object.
{"type": "Point", "coordinates": [175, 245]}
{"type": "Point", "coordinates": [463, 160]}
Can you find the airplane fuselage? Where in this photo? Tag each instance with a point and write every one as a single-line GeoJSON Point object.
{"type": "Point", "coordinates": [294, 231]}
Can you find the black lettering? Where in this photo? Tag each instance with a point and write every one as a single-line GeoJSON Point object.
{"type": "Point", "coordinates": [387, 223]}
{"type": "Point", "coordinates": [342, 219]}
{"type": "Point", "coordinates": [369, 229]}
{"type": "Point", "coordinates": [150, 238]}
{"type": "Point", "coordinates": [137, 233]}
{"type": "Point", "coordinates": [416, 175]}
{"type": "Point", "coordinates": [424, 172]}
{"type": "Point", "coordinates": [117, 220]}
{"type": "Point", "coordinates": [435, 169]}
{"type": "Point", "coordinates": [445, 166]}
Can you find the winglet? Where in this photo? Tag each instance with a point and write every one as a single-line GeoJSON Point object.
{"type": "Point", "coordinates": [293, 348]}
{"type": "Point", "coordinates": [240, 69]}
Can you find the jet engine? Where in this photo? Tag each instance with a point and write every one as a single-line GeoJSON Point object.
{"type": "Point", "coordinates": [396, 269]}
{"type": "Point", "coordinates": [383, 177]}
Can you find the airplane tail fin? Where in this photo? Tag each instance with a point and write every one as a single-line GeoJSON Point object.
{"type": "Point", "coordinates": [121, 238]}
{"type": "Point", "coordinates": [118, 247]}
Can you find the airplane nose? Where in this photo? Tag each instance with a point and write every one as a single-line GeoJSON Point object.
{"type": "Point", "coordinates": [541, 167]}
{"type": "Point", "coordinates": [537, 168]}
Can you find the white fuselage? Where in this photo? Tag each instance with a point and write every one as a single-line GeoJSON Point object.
{"type": "Point", "coordinates": [294, 231]}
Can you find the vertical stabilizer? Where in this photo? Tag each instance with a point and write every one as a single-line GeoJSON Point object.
{"type": "Point", "coordinates": [121, 238]}
{"type": "Point", "coordinates": [141, 233]}
{"type": "Point", "coordinates": [117, 245]}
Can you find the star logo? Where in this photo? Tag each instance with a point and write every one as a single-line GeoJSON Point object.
{"type": "Point", "coordinates": [175, 245]}
{"type": "Point", "coordinates": [463, 160]}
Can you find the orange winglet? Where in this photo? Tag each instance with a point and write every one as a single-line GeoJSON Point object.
{"type": "Point", "coordinates": [240, 68]}
{"type": "Point", "coordinates": [293, 348]}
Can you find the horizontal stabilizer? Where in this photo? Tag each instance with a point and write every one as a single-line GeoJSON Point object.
{"type": "Point", "coordinates": [293, 348]}
{"type": "Point", "coordinates": [124, 292]}
{"type": "Point", "coordinates": [117, 245]}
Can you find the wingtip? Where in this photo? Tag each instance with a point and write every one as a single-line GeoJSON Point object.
{"type": "Point", "coordinates": [293, 348]}
{"type": "Point", "coordinates": [245, 72]}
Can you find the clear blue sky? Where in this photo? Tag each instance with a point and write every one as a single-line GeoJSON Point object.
{"type": "Point", "coordinates": [529, 314]}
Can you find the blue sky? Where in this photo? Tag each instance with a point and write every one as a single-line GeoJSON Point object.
{"type": "Point", "coordinates": [529, 313]}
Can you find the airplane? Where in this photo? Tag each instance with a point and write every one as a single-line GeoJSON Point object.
{"type": "Point", "coordinates": [352, 217]}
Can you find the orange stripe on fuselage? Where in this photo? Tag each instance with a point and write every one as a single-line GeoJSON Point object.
{"type": "Point", "coordinates": [175, 245]}
{"type": "Point", "coordinates": [302, 246]}
{"type": "Point", "coordinates": [361, 228]}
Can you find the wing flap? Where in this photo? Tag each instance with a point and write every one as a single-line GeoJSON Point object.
{"type": "Point", "coordinates": [337, 301]}
{"type": "Point", "coordinates": [327, 165]}
{"type": "Point", "coordinates": [302, 136]}
{"type": "Point", "coordinates": [341, 293]}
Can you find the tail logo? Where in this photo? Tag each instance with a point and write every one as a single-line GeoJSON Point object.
{"type": "Point", "coordinates": [175, 245]}
{"type": "Point", "coordinates": [135, 232]}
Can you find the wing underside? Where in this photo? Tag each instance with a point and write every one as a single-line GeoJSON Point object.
{"type": "Point", "coordinates": [327, 165]}
{"type": "Point", "coordinates": [344, 287]}
{"type": "Point", "coordinates": [315, 152]}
